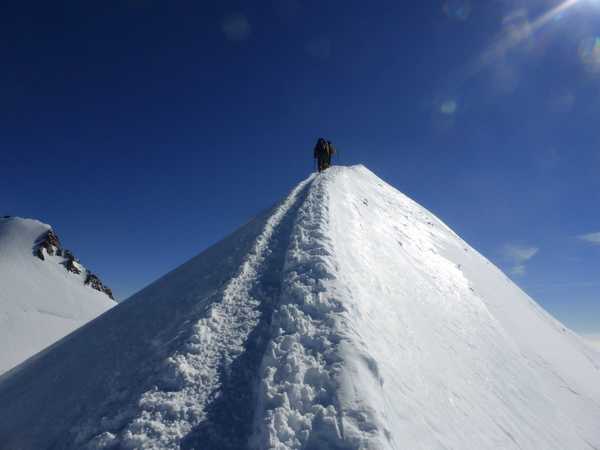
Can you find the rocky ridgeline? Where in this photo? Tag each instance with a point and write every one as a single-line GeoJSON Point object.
{"type": "Point", "coordinates": [49, 244]}
{"type": "Point", "coordinates": [94, 282]}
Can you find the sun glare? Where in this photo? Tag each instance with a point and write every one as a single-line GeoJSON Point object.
{"type": "Point", "coordinates": [553, 13]}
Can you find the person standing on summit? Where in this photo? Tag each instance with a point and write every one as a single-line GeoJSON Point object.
{"type": "Point", "coordinates": [322, 153]}
{"type": "Point", "coordinates": [330, 152]}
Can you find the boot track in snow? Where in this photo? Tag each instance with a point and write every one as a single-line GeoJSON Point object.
{"type": "Point", "coordinates": [210, 405]}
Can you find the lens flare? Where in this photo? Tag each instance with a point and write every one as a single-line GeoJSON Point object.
{"type": "Point", "coordinates": [458, 9]}
{"type": "Point", "coordinates": [519, 34]}
{"type": "Point", "coordinates": [517, 30]}
{"type": "Point", "coordinates": [448, 107]}
{"type": "Point", "coordinates": [554, 13]}
{"type": "Point", "coordinates": [589, 52]}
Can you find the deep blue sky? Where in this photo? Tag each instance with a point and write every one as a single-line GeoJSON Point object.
{"type": "Point", "coordinates": [144, 131]}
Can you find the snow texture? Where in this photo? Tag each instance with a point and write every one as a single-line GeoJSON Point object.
{"type": "Point", "coordinates": [346, 317]}
{"type": "Point", "coordinates": [40, 301]}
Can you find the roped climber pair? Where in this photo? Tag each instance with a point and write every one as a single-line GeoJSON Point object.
{"type": "Point", "coordinates": [323, 152]}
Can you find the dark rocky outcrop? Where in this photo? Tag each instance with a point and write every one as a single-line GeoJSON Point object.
{"type": "Point", "coordinates": [50, 242]}
{"type": "Point", "coordinates": [94, 282]}
{"type": "Point", "coordinates": [39, 252]}
{"type": "Point", "coordinates": [71, 265]}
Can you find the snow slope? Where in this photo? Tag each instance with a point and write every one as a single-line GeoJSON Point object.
{"type": "Point", "coordinates": [593, 340]}
{"type": "Point", "coordinates": [347, 317]}
{"type": "Point", "coordinates": [40, 301]}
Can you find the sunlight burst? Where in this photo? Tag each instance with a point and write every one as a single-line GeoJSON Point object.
{"type": "Point", "coordinates": [553, 13]}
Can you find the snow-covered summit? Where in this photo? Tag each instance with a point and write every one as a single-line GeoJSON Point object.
{"type": "Point", "coordinates": [347, 317]}
{"type": "Point", "coordinates": [45, 293]}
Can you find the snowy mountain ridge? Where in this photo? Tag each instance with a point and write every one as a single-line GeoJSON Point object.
{"type": "Point", "coordinates": [45, 292]}
{"type": "Point", "coordinates": [48, 244]}
{"type": "Point", "coordinates": [347, 317]}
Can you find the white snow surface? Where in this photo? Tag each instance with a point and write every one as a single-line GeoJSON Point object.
{"type": "Point", "coordinates": [593, 340]}
{"type": "Point", "coordinates": [346, 317]}
{"type": "Point", "coordinates": [40, 301]}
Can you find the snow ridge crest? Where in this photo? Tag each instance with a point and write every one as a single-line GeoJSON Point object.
{"type": "Point", "coordinates": [299, 403]}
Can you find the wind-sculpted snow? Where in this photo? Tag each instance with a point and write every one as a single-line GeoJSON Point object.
{"type": "Point", "coordinates": [458, 356]}
{"type": "Point", "coordinates": [347, 317]}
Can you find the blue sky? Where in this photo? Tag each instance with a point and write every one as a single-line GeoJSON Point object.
{"type": "Point", "coordinates": [144, 131]}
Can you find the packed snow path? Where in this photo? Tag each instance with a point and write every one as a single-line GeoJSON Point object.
{"type": "Point", "coordinates": [347, 317]}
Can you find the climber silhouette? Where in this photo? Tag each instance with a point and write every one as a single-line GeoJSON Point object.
{"type": "Point", "coordinates": [323, 152]}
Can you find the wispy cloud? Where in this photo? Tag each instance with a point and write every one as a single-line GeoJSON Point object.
{"type": "Point", "coordinates": [592, 238]}
{"type": "Point", "coordinates": [518, 255]}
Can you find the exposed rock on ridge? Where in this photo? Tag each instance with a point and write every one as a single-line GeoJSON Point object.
{"type": "Point", "coordinates": [49, 244]}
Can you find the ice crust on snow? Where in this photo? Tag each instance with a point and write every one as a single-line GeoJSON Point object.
{"type": "Point", "coordinates": [346, 317]}
{"type": "Point", "coordinates": [40, 301]}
